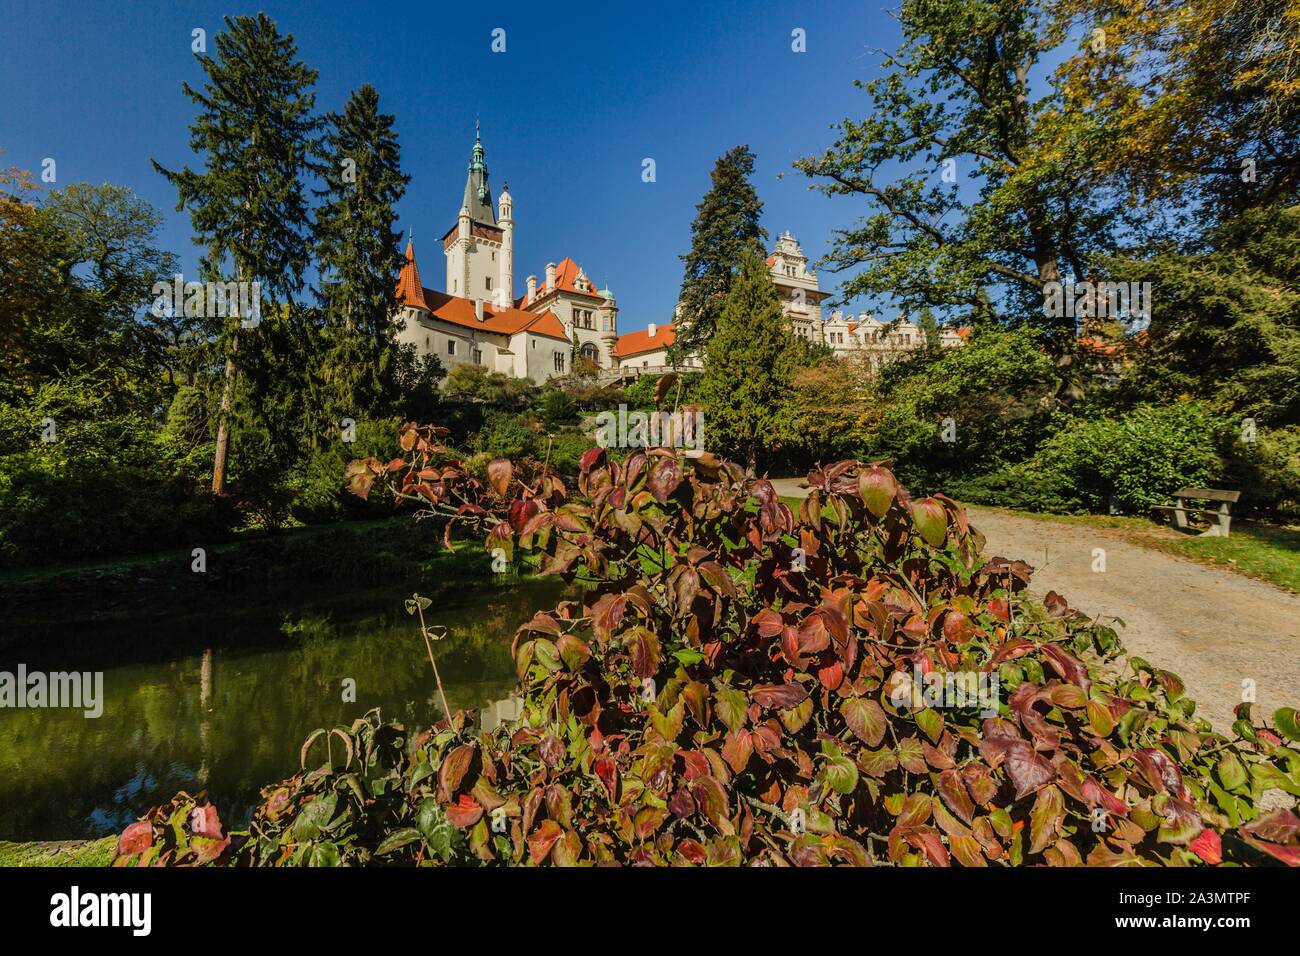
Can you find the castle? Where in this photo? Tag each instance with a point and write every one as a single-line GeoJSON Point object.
{"type": "Point", "coordinates": [478, 318]}
{"type": "Point", "coordinates": [866, 338]}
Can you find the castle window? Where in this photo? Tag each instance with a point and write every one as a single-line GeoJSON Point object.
{"type": "Point", "coordinates": [451, 346]}
{"type": "Point", "coordinates": [478, 356]}
{"type": "Point", "coordinates": [589, 351]}
{"type": "Point", "coordinates": [489, 283]}
{"type": "Point", "coordinates": [559, 361]}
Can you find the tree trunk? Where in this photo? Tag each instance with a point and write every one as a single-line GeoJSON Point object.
{"type": "Point", "coordinates": [223, 421]}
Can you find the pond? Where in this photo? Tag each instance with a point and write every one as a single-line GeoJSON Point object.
{"type": "Point", "coordinates": [223, 702]}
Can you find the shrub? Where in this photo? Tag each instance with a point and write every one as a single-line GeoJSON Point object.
{"type": "Point", "coordinates": [1132, 462]}
{"type": "Point", "coordinates": [717, 699]}
{"type": "Point", "coordinates": [558, 409]}
{"type": "Point", "coordinates": [1137, 460]}
{"type": "Point", "coordinates": [997, 391]}
{"type": "Point", "coordinates": [504, 435]}
{"type": "Point", "coordinates": [1267, 470]}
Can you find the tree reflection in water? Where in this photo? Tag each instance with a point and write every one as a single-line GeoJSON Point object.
{"type": "Point", "coordinates": [230, 719]}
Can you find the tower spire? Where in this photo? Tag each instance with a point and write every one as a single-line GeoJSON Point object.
{"type": "Point", "coordinates": [478, 194]}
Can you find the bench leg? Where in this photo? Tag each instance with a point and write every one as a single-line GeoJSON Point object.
{"type": "Point", "coordinates": [1180, 518]}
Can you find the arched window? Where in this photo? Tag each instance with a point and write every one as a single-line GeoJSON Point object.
{"type": "Point", "coordinates": [589, 351]}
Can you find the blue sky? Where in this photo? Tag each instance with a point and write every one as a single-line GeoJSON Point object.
{"type": "Point", "coordinates": [582, 94]}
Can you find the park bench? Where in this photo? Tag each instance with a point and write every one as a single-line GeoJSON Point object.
{"type": "Point", "coordinates": [1222, 516]}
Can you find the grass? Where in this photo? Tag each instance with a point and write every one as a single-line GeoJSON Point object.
{"type": "Point", "coordinates": [60, 853]}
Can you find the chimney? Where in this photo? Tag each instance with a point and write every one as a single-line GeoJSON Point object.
{"type": "Point", "coordinates": [478, 309]}
{"type": "Point", "coordinates": [532, 289]}
{"type": "Point", "coordinates": [550, 277]}
{"type": "Point", "coordinates": [650, 330]}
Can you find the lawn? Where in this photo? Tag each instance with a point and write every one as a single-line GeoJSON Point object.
{"type": "Point", "coordinates": [61, 853]}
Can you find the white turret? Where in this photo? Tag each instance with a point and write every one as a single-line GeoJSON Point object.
{"type": "Point", "coordinates": [505, 219]}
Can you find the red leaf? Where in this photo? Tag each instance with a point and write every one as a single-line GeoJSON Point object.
{"type": "Point", "coordinates": [778, 696]}
{"type": "Point", "coordinates": [465, 812]}
{"type": "Point", "coordinates": [607, 773]}
{"type": "Point", "coordinates": [542, 839]}
{"type": "Point", "coordinates": [204, 822]}
{"type": "Point", "coordinates": [1208, 847]}
{"type": "Point", "coordinates": [499, 471]}
{"type": "Point", "coordinates": [136, 838]}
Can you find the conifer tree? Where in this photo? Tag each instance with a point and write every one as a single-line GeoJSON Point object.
{"type": "Point", "coordinates": [257, 136]}
{"type": "Point", "coordinates": [748, 368]}
{"type": "Point", "coordinates": [725, 230]}
{"type": "Point", "coordinates": [359, 257]}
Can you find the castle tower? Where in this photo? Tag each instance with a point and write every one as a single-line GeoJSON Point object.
{"type": "Point", "coordinates": [506, 279]}
{"type": "Point", "coordinates": [474, 245]}
{"type": "Point", "coordinates": [608, 318]}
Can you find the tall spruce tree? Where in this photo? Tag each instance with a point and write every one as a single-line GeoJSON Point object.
{"type": "Point", "coordinates": [359, 253]}
{"type": "Point", "coordinates": [257, 136]}
{"type": "Point", "coordinates": [748, 369]}
{"type": "Point", "coordinates": [725, 230]}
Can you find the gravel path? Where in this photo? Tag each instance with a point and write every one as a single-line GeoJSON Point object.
{"type": "Point", "coordinates": [1213, 628]}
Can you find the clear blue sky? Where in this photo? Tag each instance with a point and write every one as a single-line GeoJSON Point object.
{"type": "Point", "coordinates": [582, 94]}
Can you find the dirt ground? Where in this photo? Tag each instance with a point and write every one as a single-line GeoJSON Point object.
{"type": "Point", "coordinates": [1212, 627]}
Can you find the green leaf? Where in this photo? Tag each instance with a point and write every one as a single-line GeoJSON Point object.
{"type": "Point", "coordinates": [398, 839]}
{"type": "Point", "coordinates": [838, 772]}
{"type": "Point", "coordinates": [730, 705]}
{"type": "Point", "coordinates": [1231, 772]}
{"type": "Point", "coordinates": [314, 818]}
{"type": "Point", "coordinates": [931, 723]}
{"type": "Point", "coordinates": [1099, 718]}
{"type": "Point", "coordinates": [1287, 722]}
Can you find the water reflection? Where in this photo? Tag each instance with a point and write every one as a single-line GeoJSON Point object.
{"type": "Point", "coordinates": [228, 713]}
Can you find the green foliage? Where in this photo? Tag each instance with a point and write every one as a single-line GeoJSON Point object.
{"type": "Point", "coordinates": [319, 484]}
{"type": "Point", "coordinates": [110, 482]}
{"type": "Point", "coordinates": [1267, 470]}
{"type": "Point", "coordinates": [1018, 209]}
{"type": "Point", "coordinates": [504, 435]}
{"type": "Point", "coordinates": [726, 230]}
{"type": "Point", "coordinates": [640, 394]}
{"type": "Point", "coordinates": [748, 368]}
{"type": "Point", "coordinates": [558, 409]}
{"type": "Point", "coordinates": [1131, 462]}
{"type": "Point", "coordinates": [475, 383]}
{"type": "Point", "coordinates": [712, 701]}
{"type": "Point", "coordinates": [1227, 328]}
{"type": "Point", "coordinates": [996, 391]}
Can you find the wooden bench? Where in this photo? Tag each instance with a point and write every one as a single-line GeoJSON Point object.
{"type": "Point", "coordinates": [1222, 515]}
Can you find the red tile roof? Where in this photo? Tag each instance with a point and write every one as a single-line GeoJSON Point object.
{"type": "Point", "coordinates": [635, 343]}
{"type": "Point", "coordinates": [460, 311]}
{"type": "Point", "coordinates": [566, 275]}
{"type": "Point", "coordinates": [409, 289]}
